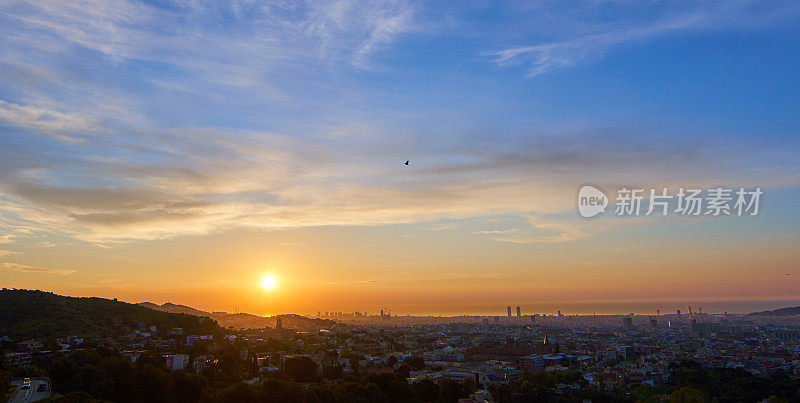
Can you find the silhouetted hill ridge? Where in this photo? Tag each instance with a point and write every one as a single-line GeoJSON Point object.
{"type": "Point", "coordinates": [248, 321]}
{"type": "Point", "coordinates": [790, 311]}
{"type": "Point", "coordinates": [39, 314]}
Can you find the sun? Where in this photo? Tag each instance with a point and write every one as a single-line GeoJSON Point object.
{"type": "Point", "coordinates": [269, 282]}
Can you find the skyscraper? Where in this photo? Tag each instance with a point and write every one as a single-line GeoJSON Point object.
{"type": "Point", "coordinates": [519, 312]}
{"type": "Point", "coordinates": [627, 322]}
{"type": "Point", "coordinates": [509, 311]}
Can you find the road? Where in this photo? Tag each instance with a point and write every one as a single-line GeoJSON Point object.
{"type": "Point", "coordinates": [32, 394]}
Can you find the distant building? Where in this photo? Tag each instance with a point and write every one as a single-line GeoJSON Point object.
{"type": "Point", "coordinates": [202, 362]}
{"type": "Point", "coordinates": [175, 332]}
{"type": "Point", "coordinates": [509, 310]}
{"type": "Point", "coordinates": [195, 338]}
{"type": "Point", "coordinates": [18, 359]}
{"type": "Point", "coordinates": [177, 362]}
{"type": "Point", "coordinates": [531, 363]}
{"type": "Point", "coordinates": [279, 324]}
{"type": "Point", "coordinates": [519, 312]}
{"type": "Point", "coordinates": [627, 322]}
{"type": "Point", "coordinates": [29, 346]}
{"type": "Point", "coordinates": [627, 353]}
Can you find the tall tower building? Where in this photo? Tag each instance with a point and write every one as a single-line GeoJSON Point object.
{"type": "Point", "coordinates": [278, 323]}
{"type": "Point", "coordinates": [690, 310]}
{"type": "Point", "coordinates": [627, 322]}
{"type": "Point", "coordinates": [519, 312]}
{"type": "Point", "coordinates": [509, 311]}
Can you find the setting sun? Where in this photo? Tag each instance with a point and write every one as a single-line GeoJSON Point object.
{"type": "Point", "coordinates": [269, 282]}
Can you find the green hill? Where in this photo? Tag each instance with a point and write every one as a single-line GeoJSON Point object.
{"type": "Point", "coordinates": [791, 311]}
{"type": "Point", "coordinates": [248, 321]}
{"type": "Point", "coordinates": [38, 314]}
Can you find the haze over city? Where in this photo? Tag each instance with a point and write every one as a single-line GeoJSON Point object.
{"type": "Point", "coordinates": [246, 156]}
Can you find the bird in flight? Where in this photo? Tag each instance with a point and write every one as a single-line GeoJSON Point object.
{"type": "Point", "coordinates": [406, 162]}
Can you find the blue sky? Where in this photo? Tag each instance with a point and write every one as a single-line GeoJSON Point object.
{"type": "Point", "coordinates": [352, 86]}
{"type": "Point", "coordinates": [129, 121]}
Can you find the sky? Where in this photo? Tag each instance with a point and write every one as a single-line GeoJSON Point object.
{"type": "Point", "coordinates": [181, 151]}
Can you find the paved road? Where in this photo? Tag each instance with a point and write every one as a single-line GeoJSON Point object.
{"type": "Point", "coordinates": [32, 394]}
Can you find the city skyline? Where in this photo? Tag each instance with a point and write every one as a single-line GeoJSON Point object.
{"type": "Point", "coordinates": [252, 157]}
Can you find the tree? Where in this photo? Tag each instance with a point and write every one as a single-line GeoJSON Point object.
{"type": "Point", "coordinates": [186, 386]}
{"type": "Point", "coordinates": [451, 391]}
{"type": "Point", "coordinates": [425, 390]}
{"type": "Point", "coordinates": [688, 395]}
{"type": "Point", "coordinates": [358, 392]}
{"type": "Point", "coordinates": [318, 394]}
{"type": "Point", "coordinates": [278, 390]}
{"type": "Point", "coordinates": [332, 371]}
{"type": "Point", "coordinates": [391, 362]}
{"type": "Point", "coordinates": [238, 392]}
{"type": "Point", "coordinates": [416, 363]}
{"type": "Point", "coordinates": [300, 369]}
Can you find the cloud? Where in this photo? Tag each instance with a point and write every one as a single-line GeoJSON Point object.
{"type": "Point", "coordinates": [292, 243]}
{"type": "Point", "coordinates": [63, 126]}
{"type": "Point", "coordinates": [552, 56]}
{"type": "Point", "coordinates": [20, 268]}
{"type": "Point", "coordinates": [240, 179]}
{"type": "Point", "coordinates": [353, 282]}
{"type": "Point", "coordinates": [4, 253]}
{"type": "Point", "coordinates": [369, 25]}
{"type": "Point", "coordinates": [586, 39]}
{"type": "Point", "coordinates": [211, 116]}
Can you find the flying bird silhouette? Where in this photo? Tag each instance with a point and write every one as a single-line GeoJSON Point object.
{"type": "Point", "coordinates": [406, 162]}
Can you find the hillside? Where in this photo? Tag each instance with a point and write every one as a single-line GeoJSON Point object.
{"type": "Point", "coordinates": [39, 314]}
{"type": "Point", "coordinates": [791, 311]}
{"type": "Point", "coordinates": [246, 320]}
{"type": "Point", "coordinates": [175, 308]}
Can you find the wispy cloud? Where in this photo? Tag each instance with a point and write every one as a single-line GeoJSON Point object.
{"type": "Point", "coordinates": [20, 268]}
{"type": "Point", "coordinates": [292, 243]}
{"type": "Point", "coordinates": [229, 178]}
{"type": "Point", "coordinates": [585, 39]}
{"type": "Point", "coordinates": [201, 124]}
{"type": "Point", "coordinates": [64, 126]}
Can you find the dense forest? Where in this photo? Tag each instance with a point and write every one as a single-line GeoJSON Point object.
{"type": "Point", "coordinates": [39, 314]}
